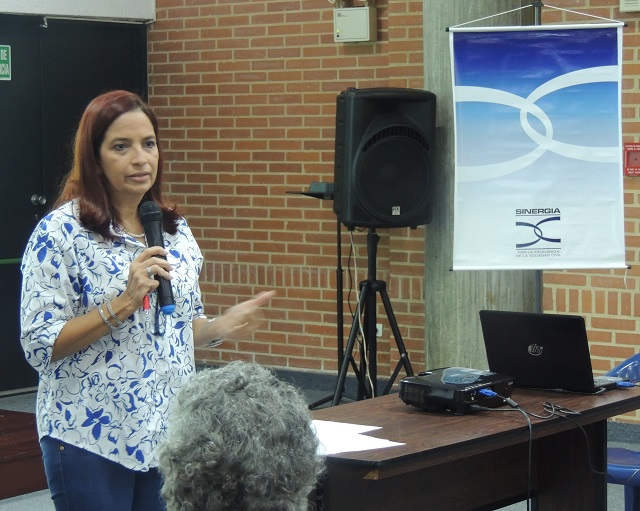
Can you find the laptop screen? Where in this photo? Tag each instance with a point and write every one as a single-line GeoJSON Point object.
{"type": "Point", "coordinates": [545, 351]}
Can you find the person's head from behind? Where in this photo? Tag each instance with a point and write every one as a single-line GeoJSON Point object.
{"type": "Point", "coordinates": [239, 439]}
{"type": "Point", "coordinates": [89, 180]}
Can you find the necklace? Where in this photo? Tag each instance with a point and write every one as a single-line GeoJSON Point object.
{"type": "Point", "coordinates": [138, 236]}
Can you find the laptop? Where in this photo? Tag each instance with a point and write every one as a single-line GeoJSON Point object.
{"type": "Point", "coordinates": [541, 351]}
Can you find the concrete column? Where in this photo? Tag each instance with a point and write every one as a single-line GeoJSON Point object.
{"type": "Point", "coordinates": [453, 299]}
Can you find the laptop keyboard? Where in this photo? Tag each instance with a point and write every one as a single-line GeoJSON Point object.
{"type": "Point", "coordinates": [603, 381]}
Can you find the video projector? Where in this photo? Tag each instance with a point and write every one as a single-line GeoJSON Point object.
{"type": "Point", "coordinates": [455, 389]}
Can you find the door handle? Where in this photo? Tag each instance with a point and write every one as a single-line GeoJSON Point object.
{"type": "Point", "coordinates": [38, 200]}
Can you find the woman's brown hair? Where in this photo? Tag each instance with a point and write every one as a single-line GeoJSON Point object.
{"type": "Point", "coordinates": [86, 181]}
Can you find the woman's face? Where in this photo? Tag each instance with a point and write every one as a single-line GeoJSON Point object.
{"type": "Point", "coordinates": [129, 156]}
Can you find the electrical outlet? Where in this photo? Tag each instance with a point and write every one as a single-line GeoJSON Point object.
{"type": "Point", "coordinates": [378, 329]}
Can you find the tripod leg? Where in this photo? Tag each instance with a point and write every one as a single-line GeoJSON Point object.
{"type": "Point", "coordinates": [339, 316]}
{"type": "Point", "coordinates": [404, 356]}
{"type": "Point", "coordinates": [348, 357]}
{"type": "Point", "coordinates": [370, 348]}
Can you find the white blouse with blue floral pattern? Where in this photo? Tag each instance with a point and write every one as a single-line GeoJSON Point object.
{"type": "Point", "coordinates": [112, 397]}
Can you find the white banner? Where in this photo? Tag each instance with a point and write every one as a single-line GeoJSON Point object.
{"type": "Point", "coordinates": [538, 154]}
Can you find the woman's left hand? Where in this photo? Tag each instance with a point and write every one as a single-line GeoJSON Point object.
{"type": "Point", "coordinates": [236, 323]}
{"type": "Point", "coordinates": [241, 320]}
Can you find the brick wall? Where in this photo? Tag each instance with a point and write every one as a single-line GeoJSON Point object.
{"type": "Point", "coordinates": [608, 300]}
{"type": "Point", "coordinates": [246, 95]}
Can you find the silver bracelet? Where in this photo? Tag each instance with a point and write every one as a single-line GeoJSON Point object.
{"type": "Point", "coordinates": [104, 318]}
{"type": "Point", "coordinates": [215, 342]}
{"type": "Point", "coordinates": [113, 314]}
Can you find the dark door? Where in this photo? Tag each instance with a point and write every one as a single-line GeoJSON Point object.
{"type": "Point", "coordinates": [57, 67]}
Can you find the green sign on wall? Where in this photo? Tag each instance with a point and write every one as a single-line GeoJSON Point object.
{"type": "Point", "coordinates": [5, 62]}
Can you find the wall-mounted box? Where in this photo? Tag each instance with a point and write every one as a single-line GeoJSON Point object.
{"type": "Point", "coordinates": [629, 5]}
{"type": "Point", "coordinates": [355, 24]}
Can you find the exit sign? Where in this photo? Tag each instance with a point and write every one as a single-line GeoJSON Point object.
{"type": "Point", "coordinates": [5, 62]}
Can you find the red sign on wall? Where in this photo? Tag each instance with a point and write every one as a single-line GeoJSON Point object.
{"type": "Point", "coordinates": [631, 160]}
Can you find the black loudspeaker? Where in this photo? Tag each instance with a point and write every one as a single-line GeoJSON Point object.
{"type": "Point", "coordinates": [383, 152]}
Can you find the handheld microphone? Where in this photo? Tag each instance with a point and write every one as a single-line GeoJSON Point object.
{"type": "Point", "coordinates": [150, 216]}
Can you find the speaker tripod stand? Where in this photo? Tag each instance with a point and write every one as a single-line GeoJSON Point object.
{"type": "Point", "coordinates": [367, 387]}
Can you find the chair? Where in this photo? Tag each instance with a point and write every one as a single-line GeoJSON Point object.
{"type": "Point", "coordinates": [623, 465]}
{"type": "Point", "coordinates": [630, 368]}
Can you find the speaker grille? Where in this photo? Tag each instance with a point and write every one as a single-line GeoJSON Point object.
{"type": "Point", "coordinates": [397, 131]}
{"type": "Point", "coordinates": [392, 175]}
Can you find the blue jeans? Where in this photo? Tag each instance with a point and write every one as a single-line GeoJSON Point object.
{"type": "Point", "coordinates": [80, 481]}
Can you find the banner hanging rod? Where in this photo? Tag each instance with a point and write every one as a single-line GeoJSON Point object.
{"type": "Point", "coordinates": [537, 6]}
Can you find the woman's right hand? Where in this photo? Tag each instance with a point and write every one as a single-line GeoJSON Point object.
{"type": "Point", "coordinates": [152, 261]}
{"type": "Point", "coordinates": [82, 331]}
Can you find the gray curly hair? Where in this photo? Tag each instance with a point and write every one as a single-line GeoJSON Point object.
{"type": "Point", "coordinates": [239, 439]}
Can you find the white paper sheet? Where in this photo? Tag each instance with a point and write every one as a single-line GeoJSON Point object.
{"type": "Point", "coordinates": [337, 437]}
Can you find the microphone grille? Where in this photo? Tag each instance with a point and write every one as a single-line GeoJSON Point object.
{"type": "Point", "coordinates": [149, 211]}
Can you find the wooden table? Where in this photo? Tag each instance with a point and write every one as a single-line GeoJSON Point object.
{"type": "Point", "coordinates": [477, 461]}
